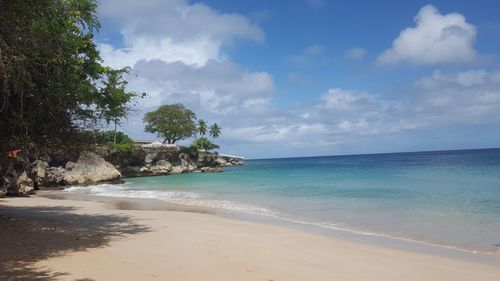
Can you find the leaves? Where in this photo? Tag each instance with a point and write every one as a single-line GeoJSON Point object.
{"type": "Point", "coordinates": [52, 82]}
{"type": "Point", "coordinates": [171, 122]}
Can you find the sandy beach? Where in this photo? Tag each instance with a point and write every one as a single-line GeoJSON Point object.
{"type": "Point", "coordinates": [49, 239]}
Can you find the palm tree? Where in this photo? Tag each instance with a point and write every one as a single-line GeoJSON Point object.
{"type": "Point", "coordinates": [202, 127]}
{"type": "Point", "coordinates": [215, 130]}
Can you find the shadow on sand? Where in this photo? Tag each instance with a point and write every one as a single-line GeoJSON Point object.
{"type": "Point", "coordinates": [31, 234]}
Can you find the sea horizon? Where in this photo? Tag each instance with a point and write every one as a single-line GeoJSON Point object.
{"type": "Point", "coordinates": [374, 153]}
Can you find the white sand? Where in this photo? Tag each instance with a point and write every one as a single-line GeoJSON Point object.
{"type": "Point", "coordinates": [195, 246]}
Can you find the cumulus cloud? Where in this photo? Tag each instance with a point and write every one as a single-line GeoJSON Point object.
{"type": "Point", "coordinates": [217, 86]}
{"type": "Point", "coordinates": [356, 53]}
{"type": "Point", "coordinates": [436, 38]}
{"type": "Point", "coordinates": [172, 30]}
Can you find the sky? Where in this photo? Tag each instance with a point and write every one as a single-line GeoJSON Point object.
{"type": "Point", "coordinates": [314, 77]}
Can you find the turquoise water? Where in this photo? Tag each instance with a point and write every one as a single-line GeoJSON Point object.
{"type": "Point", "coordinates": [449, 198]}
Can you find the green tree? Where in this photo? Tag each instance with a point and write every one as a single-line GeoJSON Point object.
{"type": "Point", "coordinates": [114, 100]}
{"type": "Point", "coordinates": [115, 141]}
{"type": "Point", "coordinates": [51, 77]}
{"type": "Point", "coordinates": [202, 127]}
{"type": "Point", "coordinates": [171, 122]}
{"type": "Point", "coordinates": [204, 144]}
{"type": "Point", "coordinates": [215, 130]}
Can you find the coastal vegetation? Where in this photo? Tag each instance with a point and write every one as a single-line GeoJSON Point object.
{"type": "Point", "coordinates": [56, 95]}
{"type": "Point", "coordinates": [175, 122]}
{"type": "Point", "coordinates": [53, 85]}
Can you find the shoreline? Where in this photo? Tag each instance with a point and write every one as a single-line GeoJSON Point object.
{"type": "Point", "coordinates": [273, 217]}
{"type": "Point", "coordinates": [245, 250]}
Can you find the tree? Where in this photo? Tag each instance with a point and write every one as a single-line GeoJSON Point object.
{"type": "Point", "coordinates": [215, 130]}
{"type": "Point", "coordinates": [114, 100]}
{"type": "Point", "coordinates": [52, 82]}
{"type": "Point", "coordinates": [202, 127]}
{"type": "Point", "coordinates": [204, 144]}
{"type": "Point", "coordinates": [171, 122]}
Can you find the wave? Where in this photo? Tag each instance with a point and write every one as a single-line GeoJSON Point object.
{"type": "Point", "coordinates": [177, 197]}
{"type": "Point", "coordinates": [196, 200]}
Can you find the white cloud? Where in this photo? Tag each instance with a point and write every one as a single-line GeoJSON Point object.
{"type": "Point", "coordinates": [436, 38]}
{"type": "Point", "coordinates": [342, 100]}
{"type": "Point", "coordinates": [356, 53]}
{"type": "Point", "coordinates": [217, 86]}
{"type": "Point", "coordinates": [172, 30]}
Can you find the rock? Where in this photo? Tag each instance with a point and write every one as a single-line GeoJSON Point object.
{"type": "Point", "coordinates": [178, 169]}
{"type": "Point", "coordinates": [24, 184]}
{"type": "Point", "coordinates": [54, 176]}
{"type": "Point", "coordinates": [37, 171]}
{"type": "Point", "coordinates": [90, 169]}
{"type": "Point", "coordinates": [149, 159]}
{"type": "Point", "coordinates": [212, 169]}
{"type": "Point", "coordinates": [161, 167]}
{"type": "Point", "coordinates": [220, 161]}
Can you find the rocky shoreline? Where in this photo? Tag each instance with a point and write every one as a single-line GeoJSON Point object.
{"type": "Point", "coordinates": [22, 177]}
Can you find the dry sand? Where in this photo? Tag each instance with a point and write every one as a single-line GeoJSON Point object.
{"type": "Point", "coordinates": [48, 239]}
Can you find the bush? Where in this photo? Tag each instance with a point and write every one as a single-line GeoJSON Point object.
{"type": "Point", "coordinates": [124, 144]}
{"type": "Point", "coordinates": [204, 144]}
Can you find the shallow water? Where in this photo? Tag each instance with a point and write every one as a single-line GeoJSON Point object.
{"type": "Point", "coordinates": [448, 198]}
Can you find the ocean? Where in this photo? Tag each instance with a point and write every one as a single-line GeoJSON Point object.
{"type": "Point", "coordinates": [445, 198]}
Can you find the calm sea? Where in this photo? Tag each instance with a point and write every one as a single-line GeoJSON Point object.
{"type": "Point", "coordinates": [448, 198]}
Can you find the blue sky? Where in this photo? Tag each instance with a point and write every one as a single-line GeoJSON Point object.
{"type": "Point", "coordinates": [315, 77]}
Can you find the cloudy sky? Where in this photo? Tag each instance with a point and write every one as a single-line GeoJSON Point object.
{"type": "Point", "coordinates": [315, 77]}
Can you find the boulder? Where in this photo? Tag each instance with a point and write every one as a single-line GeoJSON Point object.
{"type": "Point", "coordinates": [37, 171]}
{"type": "Point", "coordinates": [161, 167]}
{"type": "Point", "coordinates": [220, 161]}
{"type": "Point", "coordinates": [24, 184]}
{"type": "Point", "coordinates": [149, 159]}
{"type": "Point", "coordinates": [212, 169]}
{"type": "Point", "coordinates": [54, 176]}
{"type": "Point", "coordinates": [90, 169]}
{"type": "Point", "coordinates": [178, 169]}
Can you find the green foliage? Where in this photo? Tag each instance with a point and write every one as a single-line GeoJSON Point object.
{"type": "Point", "coordinates": [124, 144]}
{"type": "Point", "coordinates": [171, 122]}
{"type": "Point", "coordinates": [114, 99]}
{"type": "Point", "coordinates": [104, 137]}
{"type": "Point", "coordinates": [215, 130]}
{"type": "Point", "coordinates": [204, 144]}
{"type": "Point", "coordinates": [52, 83]}
{"type": "Point", "coordinates": [192, 151]}
{"type": "Point", "coordinates": [202, 127]}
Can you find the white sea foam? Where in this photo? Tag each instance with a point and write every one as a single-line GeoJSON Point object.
{"type": "Point", "coordinates": [172, 196]}
{"type": "Point", "coordinates": [196, 200]}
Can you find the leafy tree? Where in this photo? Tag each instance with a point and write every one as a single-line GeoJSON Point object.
{"type": "Point", "coordinates": [215, 130]}
{"type": "Point", "coordinates": [115, 100]}
{"type": "Point", "coordinates": [104, 137]}
{"type": "Point", "coordinates": [115, 141]}
{"type": "Point", "coordinates": [202, 127]}
{"type": "Point", "coordinates": [205, 144]}
{"type": "Point", "coordinates": [171, 122]}
{"type": "Point", "coordinates": [52, 83]}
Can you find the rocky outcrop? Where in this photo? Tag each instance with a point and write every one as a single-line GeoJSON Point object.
{"type": "Point", "coordinates": [89, 169]}
{"type": "Point", "coordinates": [24, 185]}
{"type": "Point", "coordinates": [212, 169]}
{"type": "Point", "coordinates": [14, 179]}
{"type": "Point", "coordinates": [37, 171]}
{"type": "Point", "coordinates": [54, 176]}
{"type": "Point", "coordinates": [19, 176]}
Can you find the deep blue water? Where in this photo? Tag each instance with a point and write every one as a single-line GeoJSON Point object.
{"type": "Point", "coordinates": [448, 197]}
